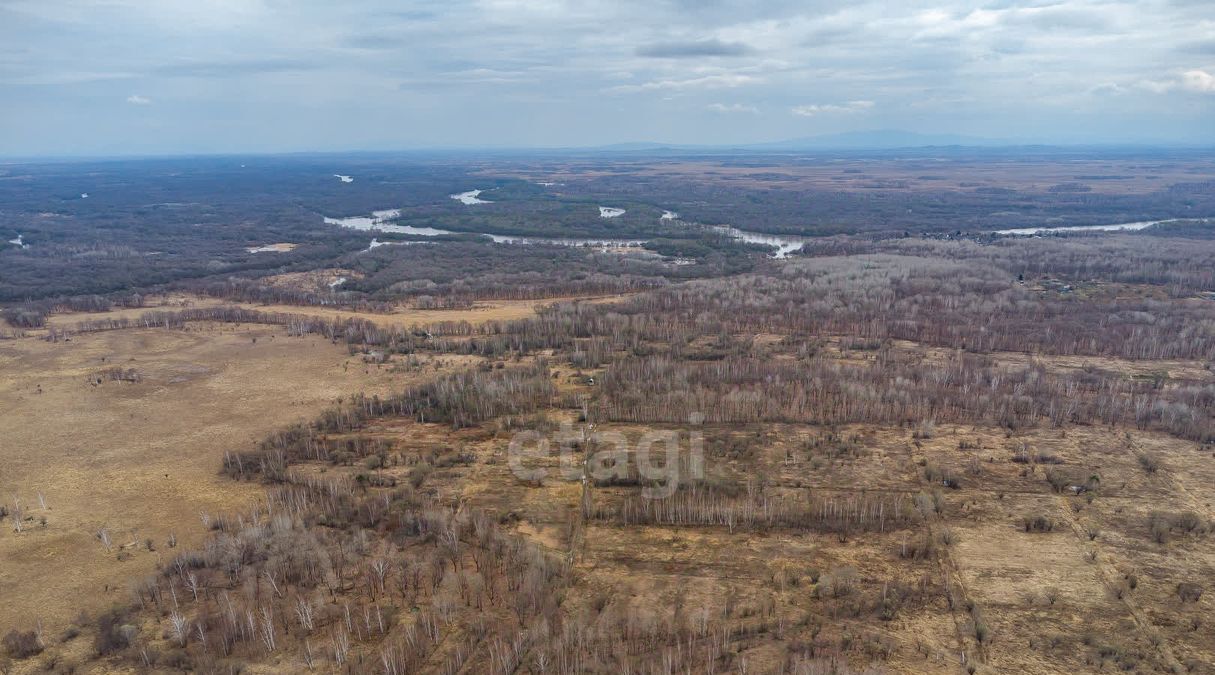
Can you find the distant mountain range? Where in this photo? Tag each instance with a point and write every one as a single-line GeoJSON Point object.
{"type": "Point", "coordinates": [868, 140]}
{"type": "Point", "coordinates": [878, 142]}
{"type": "Point", "coordinates": [881, 139]}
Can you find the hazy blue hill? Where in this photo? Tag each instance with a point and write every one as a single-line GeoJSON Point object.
{"type": "Point", "coordinates": [881, 138]}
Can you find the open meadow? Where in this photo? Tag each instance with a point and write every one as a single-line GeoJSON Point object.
{"type": "Point", "coordinates": [113, 440]}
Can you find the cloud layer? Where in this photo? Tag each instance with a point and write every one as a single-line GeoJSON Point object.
{"type": "Point", "coordinates": [266, 75]}
{"type": "Point", "coordinates": [700, 48]}
{"type": "Point", "coordinates": [812, 109]}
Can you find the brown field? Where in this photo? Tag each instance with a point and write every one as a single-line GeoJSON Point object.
{"type": "Point", "coordinates": [1111, 176]}
{"type": "Point", "coordinates": [1059, 601]}
{"type": "Point", "coordinates": [913, 446]}
{"type": "Point", "coordinates": [1030, 588]}
{"type": "Point", "coordinates": [140, 459]}
{"type": "Point", "coordinates": [279, 247]}
{"type": "Point", "coordinates": [1035, 550]}
{"type": "Point", "coordinates": [481, 312]}
{"type": "Point", "coordinates": [1174, 369]}
{"type": "Point", "coordinates": [312, 280]}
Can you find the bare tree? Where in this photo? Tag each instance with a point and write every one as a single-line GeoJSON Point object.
{"type": "Point", "coordinates": [303, 611]}
{"type": "Point", "coordinates": [179, 625]}
{"type": "Point", "coordinates": [103, 536]}
{"type": "Point", "coordinates": [18, 513]}
{"type": "Point", "coordinates": [192, 585]}
{"type": "Point", "coordinates": [267, 629]}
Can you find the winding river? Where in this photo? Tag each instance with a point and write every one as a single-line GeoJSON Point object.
{"type": "Point", "coordinates": [381, 221]}
{"type": "Point", "coordinates": [1116, 227]}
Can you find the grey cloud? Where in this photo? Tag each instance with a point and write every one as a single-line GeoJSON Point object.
{"type": "Point", "coordinates": [1198, 47]}
{"type": "Point", "coordinates": [715, 81]}
{"type": "Point", "coordinates": [830, 35]}
{"type": "Point", "coordinates": [731, 108]}
{"type": "Point", "coordinates": [813, 109]}
{"type": "Point", "coordinates": [726, 12]}
{"type": "Point", "coordinates": [1062, 18]}
{"type": "Point", "coordinates": [465, 78]}
{"type": "Point", "coordinates": [1199, 81]}
{"type": "Point", "coordinates": [378, 41]}
{"type": "Point", "coordinates": [416, 15]}
{"type": "Point", "coordinates": [699, 48]}
{"type": "Point", "coordinates": [235, 68]}
{"type": "Point", "coordinates": [537, 71]}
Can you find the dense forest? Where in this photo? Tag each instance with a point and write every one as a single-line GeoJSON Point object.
{"type": "Point", "coordinates": [139, 225]}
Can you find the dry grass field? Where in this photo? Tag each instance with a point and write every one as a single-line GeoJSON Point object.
{"type": "Point", "coordinates": [139, 459]}
{"type": "Point", "coordinates": [958, 540]}
{"type": "Point", "coordinates": [1002, 569]}
{"type": "Point", "coordinates": [944, 173]}
{"type": "Point", "coordinates": [1059, 601]}
{"type": "Point", "coordinates": [497, 310]}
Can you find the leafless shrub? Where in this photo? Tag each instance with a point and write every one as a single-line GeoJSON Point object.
{"type": "Point", "coordinates": [837, 583]}
{"type": "Point", "coordinates": [697, 506]}
{"type": "Point", "coordinates": [103, 536]}
{"type": "Point", "coordinates": [113, 633]}
{"type": "Point", "coordinates": [18, 514]}
{"type": "Point", "coordinates": [22, 645]}
{"type": "Point", "coordinates": [978, 625]}
{"type": "Point", "coordinates": [943, 476]}
{"type": "Point", "coordinates": [1038, 523]}
{"type": "Point", "coordinates": [1150, 462]}
{"type": "Point", "coordinates": [1188, 522]}
{"type": "Point", "coordinates": [119, 374]}
{"type": "Point", "coordinates": [1051, 595]}
{"type": "Point", "coordinates": [1163, 525]}
{"type": "Point", "coordinates": [1189, 592]}
{"type": "Point", "coordinates": [1046, 457]}
{"type": "Point", "coordinates": [916, 547]}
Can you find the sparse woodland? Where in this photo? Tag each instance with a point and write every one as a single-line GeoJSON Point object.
{"type": "Point", "coordinates": [921, 454]}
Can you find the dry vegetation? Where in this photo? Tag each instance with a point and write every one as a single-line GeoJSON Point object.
{"type": "Point", "coordinates": [500, 310]}
{"type": "Point", "coordinates": [112, 440]}
{"type": "Point", "coordinates": [919, 455]}
{"type": "Point", "coordinates": [121, 432]}
{"type": "Point", "coordinates": [936, 173]}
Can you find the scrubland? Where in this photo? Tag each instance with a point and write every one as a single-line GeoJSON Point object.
{"type": "Point", "coordinates": [896, 458]}
{"type": "Point", "coordinates": [911, 448]}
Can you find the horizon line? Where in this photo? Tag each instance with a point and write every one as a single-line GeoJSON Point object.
{"type": "Point", "coordinates": [763, 147]}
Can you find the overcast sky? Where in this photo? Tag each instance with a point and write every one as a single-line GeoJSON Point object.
{"type": "Point", "coordinates": [168, 76]}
